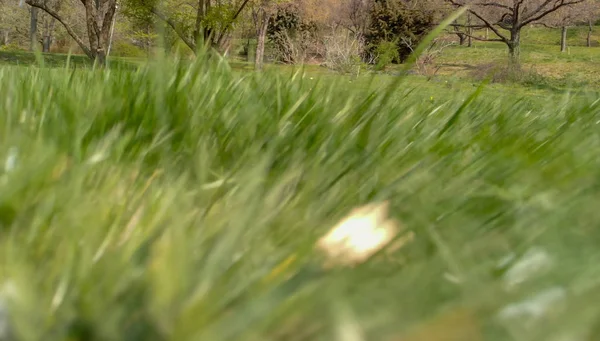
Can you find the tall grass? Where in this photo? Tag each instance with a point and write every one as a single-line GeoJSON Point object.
{"type": "Point", "coordinates": [182, 202]}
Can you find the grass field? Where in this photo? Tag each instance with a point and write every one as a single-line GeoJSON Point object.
{"type": "Point", "coordinates": [183, 202]}
{"type": "Point", "coordinates": [542, 60]}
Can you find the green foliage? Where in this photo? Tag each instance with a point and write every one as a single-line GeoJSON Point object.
{"type": "Point", "coordinates": [11, 47]}
{"type": "Point", "coordinates": [138, 12]}
{"type": "Point", "coordinates": [387, 53]}
{"type": "Point", "coordinates": [392, 20]}
{"type": "Point", "coordinates": [124, 49]}
{"type": "Point", "coordinates": [220, 15]}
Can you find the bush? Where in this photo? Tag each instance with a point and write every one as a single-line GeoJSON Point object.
{"type": "Point", "coordinates": [393, 21]}
{"type": "Point", "coordinates": [386, 53]}
{"type": "Point", "coordinates": [292, 38]}
{"type": "Point", "coordinates": [11, 47]}
{"type": "Point", "coordinates": [125, 49]}
{"type": "Point", "coordinates": [343, 52]}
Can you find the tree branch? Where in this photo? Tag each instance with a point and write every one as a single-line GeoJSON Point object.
{"type": "Point", "coordinates": [468, 26]}
{"type": "Point", "coordinates": [556, 7]}
{"type": "Point", "coordinates": [490, 26]}
{"type": "Point", "coordinates": [485, 21]}
{"type": "Point", "coordinates": [231, 21]}
{"type": "Point", "coordinates": [240, 9]}
{"type": "Point", "coordinates": [67, 27]}
{"type": "Point", "coordinates": [493, 4]}
{"type": "Point", "coordinates": [173, 25]}
{"type": "Point", "coordinates": [483, 39]}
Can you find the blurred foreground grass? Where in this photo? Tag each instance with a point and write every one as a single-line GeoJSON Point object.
{"type": "Point", "coordinates": [183, 202]}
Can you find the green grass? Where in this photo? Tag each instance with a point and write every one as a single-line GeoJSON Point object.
{"type": "Point", "coordinates": [112, 227]}
{"type": "Point", "coordinates": [576, 36]}
{"type": "Point", "coordinates": [22, 58]}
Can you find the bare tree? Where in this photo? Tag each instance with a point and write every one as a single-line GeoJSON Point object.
{"type": "Point", "coordinates": [589, 17]}
{"type": "Point", "coordinates": [464, 31]}
{"type": "Point", "coordinates": [506, 18]}
{"type": "Point", "coordinates": [583, 13]}
{"type": "Point", "coordinates": [98, 17]}
{"type": "Point", "coordinates": [47, 32]}
{"type": "Point", "coordinates": [42, 26]}
{"type": "Point", "coordinates": [354, 16]}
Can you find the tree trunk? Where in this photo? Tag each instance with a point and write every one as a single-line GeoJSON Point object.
{"type": "Point", "coordinates": [5, 38]}
{"type": "Point", "coordinates": [99, 28]}
{"type": "Point", "coordinates": [262, 34]}
{"type": "Point", "coordinates": [461, 39]}
{"type": "Point", "coordinates": [33, 21]}
{"type": "Point", "coordinates": [469, 31]}
{"type": "Point", "coordinates": [112, 31]}
{"type": "Point", "coordinates": [46, 44]}
{"type": "Point", "coordinates": [514, 48]}
{"type": "Point", "coordinates": [146, 41]}
{"type": "Point", "coordinates": [563, 39]}
{"type": "Point", "coordinates": [589, 33]}
{"type": "Point", "coordinates": [48, 35]}
{"type": "Point", "coordinates": [487, 33]}
{"type": "Point", "coordinates": [248, 50]}
{"type": "Point", "coordinates": [461, 36]}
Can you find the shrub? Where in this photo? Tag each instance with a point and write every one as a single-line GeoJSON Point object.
{"type": "Point", "coordinates": [391, 20]}
{"type": "Point", "coordinates": [11, 47]}
{"type": "Point", "coordinates": [125, 49]}
{"type": "Point", "coordinates": [386, 52]}
{"type": "Point", "coordinates": [292, 37]}
{"type": "Point", "coordinates": [343, 52]}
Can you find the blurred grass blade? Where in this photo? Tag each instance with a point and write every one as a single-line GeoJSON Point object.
{"type": "Point", "coordinates": [346, 324]}
{"type": "Point", "coordinates": [454, 118]}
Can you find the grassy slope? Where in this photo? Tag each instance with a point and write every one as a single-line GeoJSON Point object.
{"type": "Point", "coordinates": [110, 228]}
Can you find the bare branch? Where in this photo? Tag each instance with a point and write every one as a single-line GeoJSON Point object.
{"type": "Point", "coordinates": [224, 32]}
{"type": "Point", "coordinates": [67, 27]}
{"type": "Point", "coordinates": [485, 21]}
{"type": "Point", "coordinates": [493, 4]}
{"type": "Point", "coordinates": [468, 26]}
{"type": "Point", "coordinates": [562, 3]}
{"type": "Point", "coordinates": [490, 26]}
{"type": "Point", "coordinates": [483, 39]}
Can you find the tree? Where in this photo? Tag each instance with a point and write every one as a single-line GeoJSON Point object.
{"type": "Point", "coordinates": [98, 17]}
{"type": "Point", "coordinates": [195, 22]}
{"type": "Point", "coordinates": [14, 23]}
{"type": "Point", "coordinates": [464, 31]}
{"type": "Point", "coordinates": [47, 32]}
{"type": "Point", "coordinates": [261, 13]}
{"type": "Point", "coordinates": [352, 15]}
{"type": "Point", "coordinates": [506, 18]}
{"type": "Point", "coordinates": [46, 23]}
{"type": "Point", "coordinates": [589, 17]}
